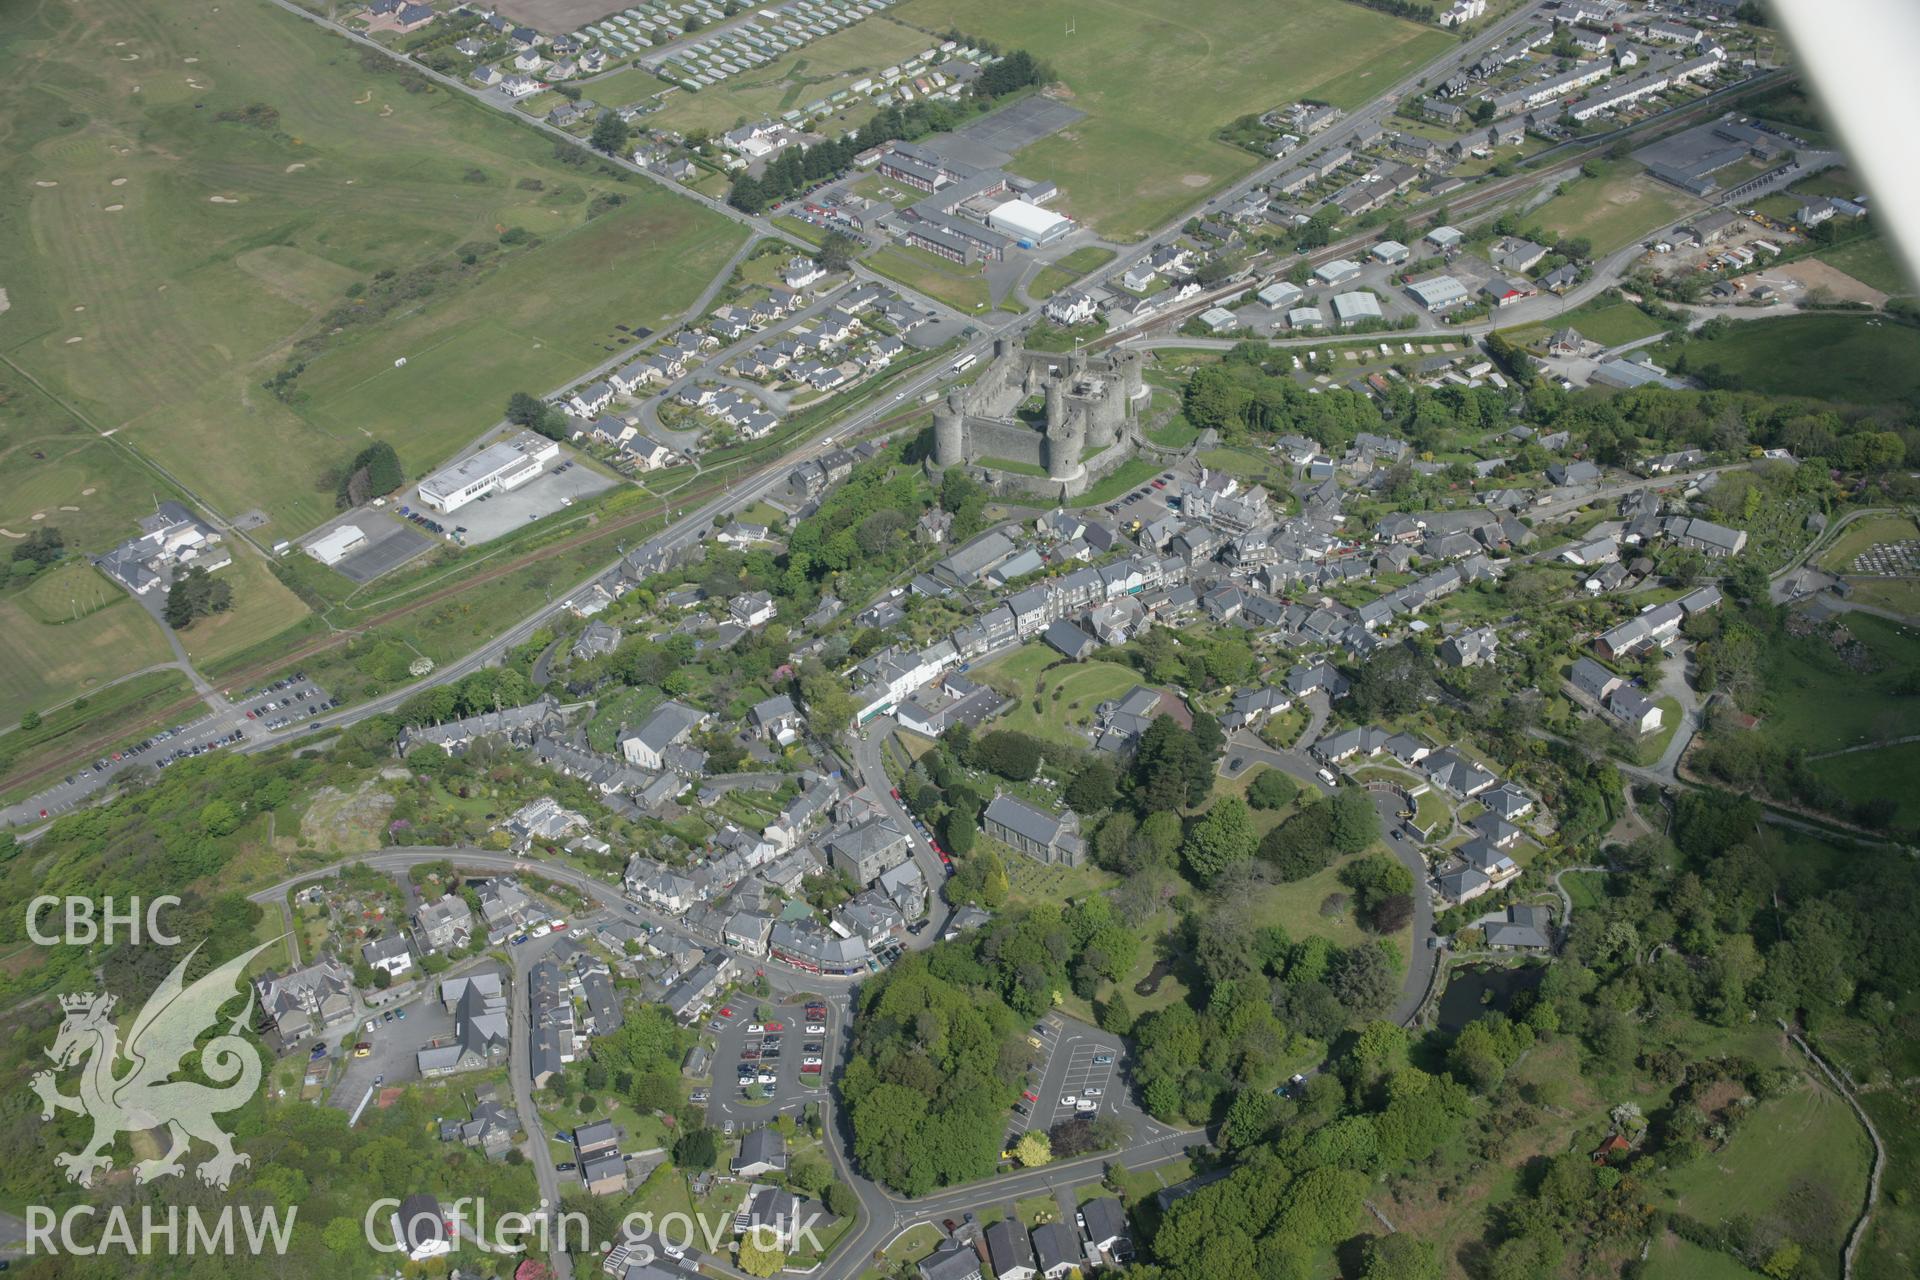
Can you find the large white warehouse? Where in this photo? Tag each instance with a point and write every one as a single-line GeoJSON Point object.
{"type": "Point", "coordinates": [495, 469]}
{"type": "Point", "coordinates": [1029, 222]}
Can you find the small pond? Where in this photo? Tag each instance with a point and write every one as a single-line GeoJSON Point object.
{"type": "Point", "coordinates": [1478, 988]}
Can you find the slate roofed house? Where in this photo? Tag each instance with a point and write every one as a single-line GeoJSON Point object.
{"type": "Point", "coordinates": [953, 1260]}
{"type": "Point", "coordinates": [421, 1229]}
{"type": "Point", "coordinates": [867, 849]}
{"type": "Point", "coordinates": [390, 954]}
{"type": "Point", "coordinates": [762, 1151]}
{"type": "Point", "coordinates": [1566, 474]}
{"type": "Point", "coordinates": [778, 718]}
{"type": "Point", "coordinates": [596, 640]}
{"type": "Point", "coordinates": [1634, 709]}
{"type": "Point", "coordinates": [1592, 679]}
{"type": "Point", "coordinates": [1507, 800]}
{"type": "Point", "coordinates": [1470, 648]}
{"type": "Point", "coordinates": [1056, 1249]}
{"type": "Point", "coordinates": [1048, 837]}
{"type": "Point", "coordinates": [1525, 928]}
{"type": "Point", "coordinates": [445, 923]}
{"type": "Point", "coordinates": [1457, 775]}
{"type": "Point", "coordinates": [1069, 639]}
{"type": "Point", "coordinates": [1107, 1225]}
{"type": "Point", "coordinates": [1009, 1251]}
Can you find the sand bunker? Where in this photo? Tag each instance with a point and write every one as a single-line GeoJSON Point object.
{"type": "Point", "coordinates": [119, 182]}
{"type": "Point", "coordinates": [43, 182]}
{"type": "Point", "coordinates": [363, 99]}
{"type": "Point", "coordinates": [4, 302]}
{"type": "Point", "coordinates": [8, 533]}
{"type": "Point", "coordinates": [296, 166]}
{"type": "Point", "coordinates": [115, 208]}
{"type": "Point", "coordinates": [221, 200]}
{"type": "Point", "coordinates": [72, 340]}
{"type": "Point", "coordinates": [38, 515]}
{"type": "Point", "coordinates": [189, 61]}
{"type": "Point", "coordinates": [386, 110]}
{"type": "Point", "coordinates": [66, 508]}
{"type": "Point", "coordinates": [80, 306]}
{"type": "Point", "coordinates": [88, 492]}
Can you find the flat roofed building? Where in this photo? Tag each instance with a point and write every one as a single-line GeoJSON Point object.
{"type": "Point", "coordinates": [495, 469]}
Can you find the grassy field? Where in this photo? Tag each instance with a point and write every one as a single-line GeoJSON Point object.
{"type": "Point", "coordinates": [1613, 210]}
{"type": "Point", "coordinates": [1869, 775]}
{"type": "Point", "coordinates": [807, 75]}
{"type": "Point", "coordinates": [1805, 1146]}
{"type": "Point", "coordinates": [1902, 595]}
{"type": "Point", "coordinates": [1871, 262]}
{"type": "Point", "coordinates": [1299, 909]}
{"type": "Point", "coordinates": [1053, 279]}
{"type": "Point", "coordinates": [49, 662]}
{"type": "Point", "coordinates": [1157, 78]}
{"type": "Point", "coordinates": [1816, 702]}
{"type": "Point", "coordinates": [262, 609]}
{"type": "Point", "coordinates": [1672, 1258]}
{"type": "Point", "coordinates": [1603, 321]}
{"type": "Point", "coordinates": [1862, 534]}
{"type": "Point", "coordinates": [544, 318]}
{"type": "Point", "coordinates": [1068, 693]}
{"type": "Point", "coordinates": [98, 713]}
{"type": "Point", "coordinates": [962, 288]}
{"type": "Point", "coordinates": [160, 260]}
{"type": "Point", "coordinates": [1849, 358]}
{"type": "Point", "coordinates": [619, 88]}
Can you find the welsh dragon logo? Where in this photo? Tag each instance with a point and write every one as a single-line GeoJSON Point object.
{"type": "Point", "coordinates": [161, 1038]}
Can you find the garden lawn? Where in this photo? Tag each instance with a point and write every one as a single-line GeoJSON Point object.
{"type": "Point", "coordinates": [1613, 210]}
{"type": "Point", "coordinates": [1816, 702]}
{"type": "Point", "coordinates": [1157, 78]}
{"type": "Point", "coordinates": [1295, 907]}
{"type": "Point", "coordinates": [161, 261]}
{"type": "Point", "coordinates": [1855, 359]}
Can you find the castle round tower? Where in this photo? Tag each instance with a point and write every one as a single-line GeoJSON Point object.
{"type": "Point", "coordinates": [1066, 434]}
{"type": "Point", "coordinates": [949, 432]}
